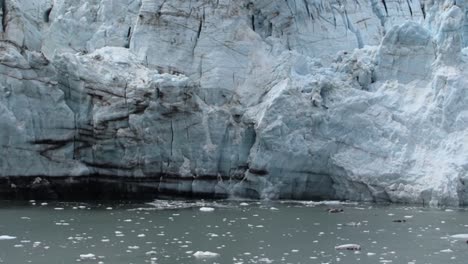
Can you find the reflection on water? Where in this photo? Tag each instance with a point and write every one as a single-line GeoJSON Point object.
{"type": "Point", "coordinates": [229, 232]}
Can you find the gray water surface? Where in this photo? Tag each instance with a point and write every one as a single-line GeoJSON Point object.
{"type": "Point", "coordinates": [240, 232]}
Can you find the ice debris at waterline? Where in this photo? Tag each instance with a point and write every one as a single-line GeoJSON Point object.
{"type": "Point", "coordinates": [207, 209]}
{"type": "Point", "coordinates": [88, 256]}
{"type": "Point", "coordinates": [6, 237]}
{"type": "Point", "coordinates": [348, 247]}
{"type": "Point", "coordinates": [257, 99]}
{"type": "Point", "coordinates": [460, 236]}
{"type": "Point", "coordinates": [205, 254]}
{"type": "Point", "coordinates": [292, 233]}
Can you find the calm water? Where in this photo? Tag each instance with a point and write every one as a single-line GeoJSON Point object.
{"type": "Point", "coordinates": [267, 232]}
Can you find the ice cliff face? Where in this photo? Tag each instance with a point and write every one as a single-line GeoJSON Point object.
{"type": "Point", "coordinates": [362, 100]}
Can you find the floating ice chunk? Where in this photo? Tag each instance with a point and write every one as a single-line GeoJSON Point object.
{"type": "Point", "coordinates": [370, 254]}
{"type": "Point", "coordinates": [151, 253]}
{"type": "Point", "coordinates": [348, 247]}
{"type": "Point", "coordinates": [87, 256]}
{"type": "Point", "coordinates": [207, 209]}
{"type": "Point", "coordinates": [6, 237]}
{"type": "Point", "coordinates": [205, 254]}
{"type": "Point", "coordinates": [460, 236]}
{"type": "Point", "coordinates": [331, 202]}
{"type": "Point", "coordinates": [244, 204]}
{"type": "Point", "coordinates": [446, 250]}
{"type": "Point", "coordinates": [334, 210]}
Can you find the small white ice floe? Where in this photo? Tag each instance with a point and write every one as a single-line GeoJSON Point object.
{"type": "Point", "coordinates": [244, 204]}
{"type": "Point", "coordinates": [265, 260]}
{"type": "Point", "coordinates": [446, 251]}
{"type": "Point", "coordinates": [460, 236]}
{"type": "Point", "coordinates": [205, 254]}
{"type": "Point", "coordinates": [5, 237]}
{"type": "Point", "coordinates": [207, 209]}
{"type": "Point", "coordinates": [152, 252]}
{"type": "Point", "coordinates": [348, 247]}
{"type": "Point", "coordinates": [353, 224]}
{"type": "Point", "coordinates": [87, 256]}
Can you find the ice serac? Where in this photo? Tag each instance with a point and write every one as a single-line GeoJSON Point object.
{"type": "Point", "coordinates": [300, 99]}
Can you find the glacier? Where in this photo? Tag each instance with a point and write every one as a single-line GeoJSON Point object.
{"type": "Point", "coordinates": [361, 100]}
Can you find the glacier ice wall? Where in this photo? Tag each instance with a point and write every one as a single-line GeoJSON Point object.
{"type": "Point", "coordinates": [302, 99]}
